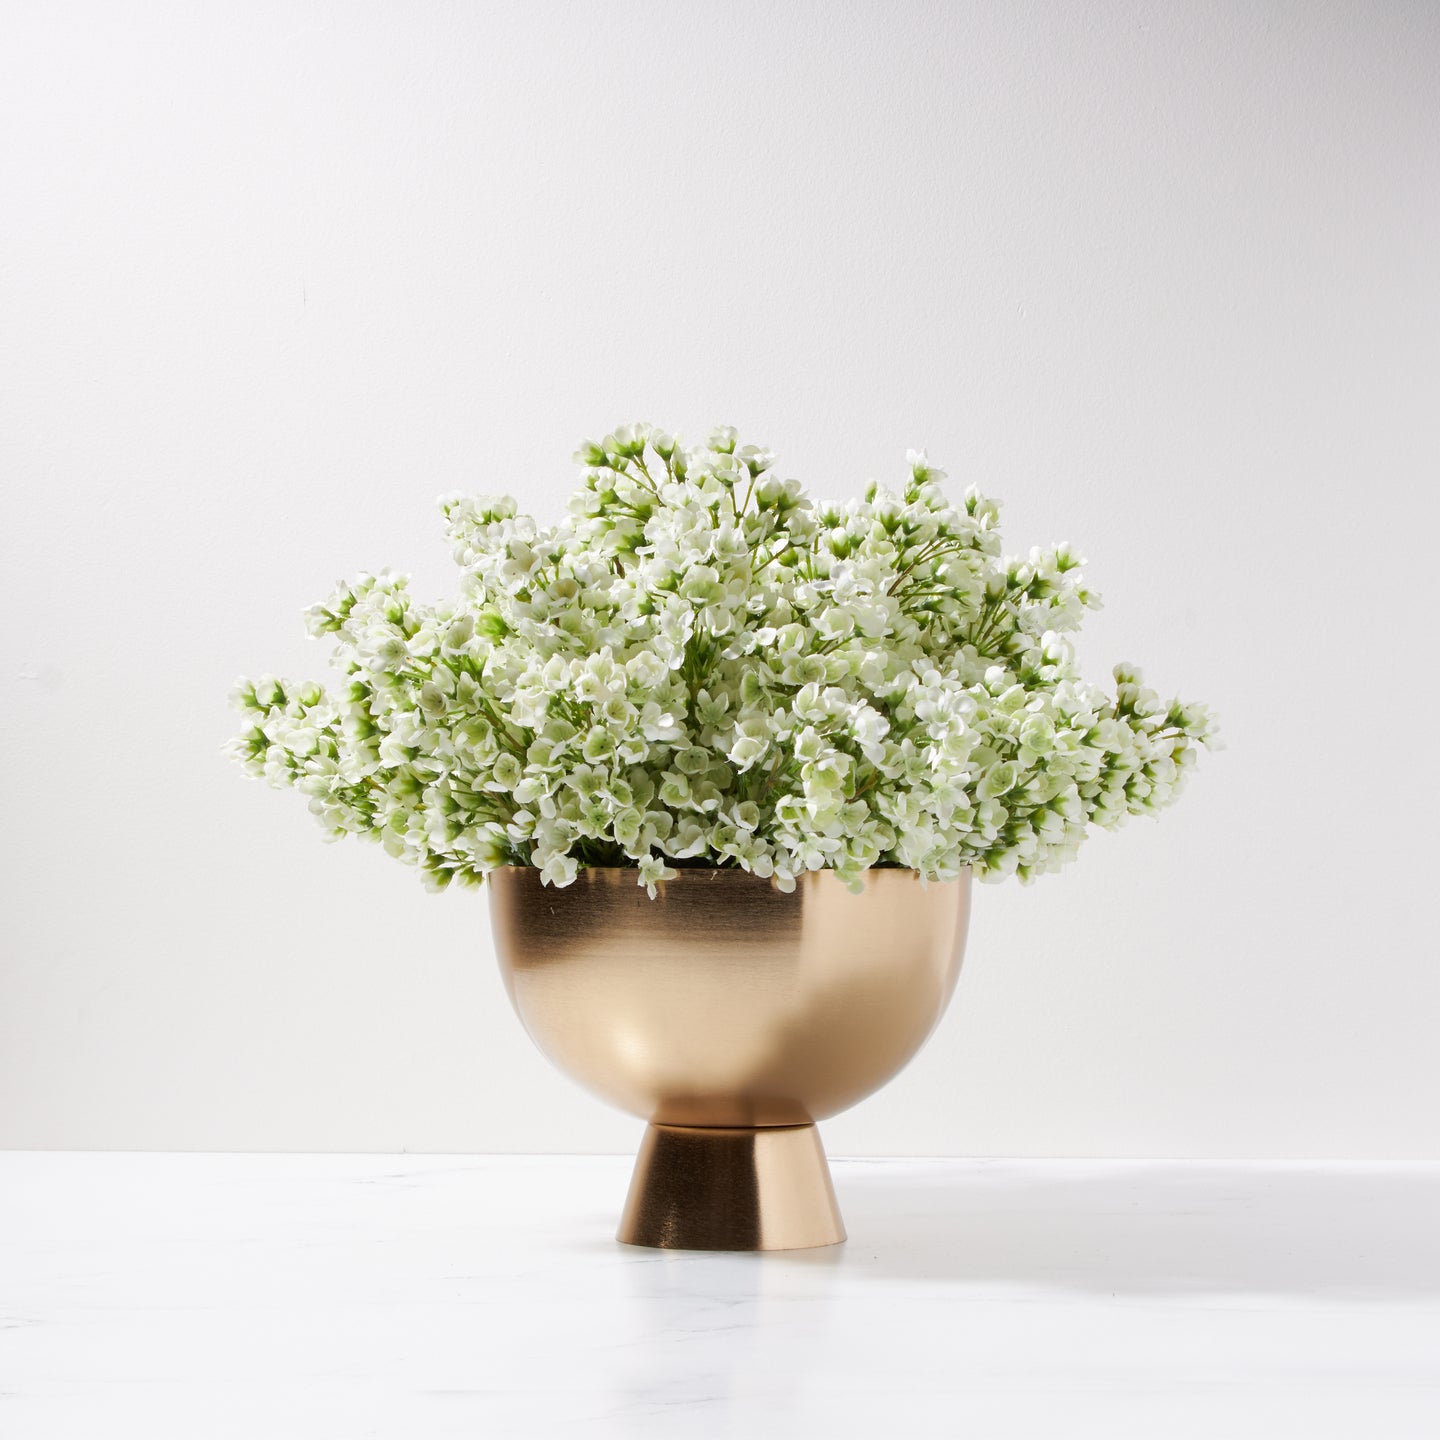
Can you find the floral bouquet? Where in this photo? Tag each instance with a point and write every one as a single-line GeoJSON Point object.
{"type": "Point", "coordinates": [700, 666]}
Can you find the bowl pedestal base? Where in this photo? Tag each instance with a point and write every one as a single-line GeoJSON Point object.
{"type": "Point", "coordinates": [712, 1188]}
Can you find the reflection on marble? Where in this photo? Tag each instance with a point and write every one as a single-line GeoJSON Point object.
{"type": "Point", "coordinates": [264, 1297]}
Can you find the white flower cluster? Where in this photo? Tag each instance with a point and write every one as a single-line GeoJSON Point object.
{"type": "Point", "coordinates": [700, 666]}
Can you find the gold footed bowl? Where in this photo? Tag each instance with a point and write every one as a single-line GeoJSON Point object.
{"type": "Point", "coordinates": [731, 1017]}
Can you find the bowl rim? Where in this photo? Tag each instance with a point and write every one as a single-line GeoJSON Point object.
{"type": "Point", "coordinates": [710, 871]}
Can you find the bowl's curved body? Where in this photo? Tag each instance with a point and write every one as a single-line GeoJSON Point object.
{"type": "Point", "coordinates": [723, 1002]}
{"type": "Point", "coordinates": [730, 1016]}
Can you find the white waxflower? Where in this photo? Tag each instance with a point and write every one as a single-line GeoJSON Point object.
{"type": "Point", "coordinates": [751, 739]}
{"type": "Point", "coordinates": [559, 870]}
{"type": "Point", "coordinates": [653, 869]}
{"type": "Point", "coordinates": [698, 663]}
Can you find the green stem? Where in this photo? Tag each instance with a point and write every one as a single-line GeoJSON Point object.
{"type": "Point", "coordinates": [788, 545]}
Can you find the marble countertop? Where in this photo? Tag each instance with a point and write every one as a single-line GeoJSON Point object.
{"type": "Point", "coordinates": [270, 1296]}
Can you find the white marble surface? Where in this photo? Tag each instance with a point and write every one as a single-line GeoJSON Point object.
{"type": "Point", "coordinates": [206, 1297]}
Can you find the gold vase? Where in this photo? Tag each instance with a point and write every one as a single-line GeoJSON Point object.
{"type": "Point", "coordinates": [731, 1017]}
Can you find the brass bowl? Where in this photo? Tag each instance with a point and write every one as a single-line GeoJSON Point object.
{"type": "Point", "coordinates": [731, 1017]}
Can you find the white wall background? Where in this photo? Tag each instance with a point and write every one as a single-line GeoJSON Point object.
{"type": "Point", "coordinates": [1164, 277]}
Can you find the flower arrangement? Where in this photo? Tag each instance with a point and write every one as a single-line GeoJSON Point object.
{"type": "Point", "coordinates": [700, 666]}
